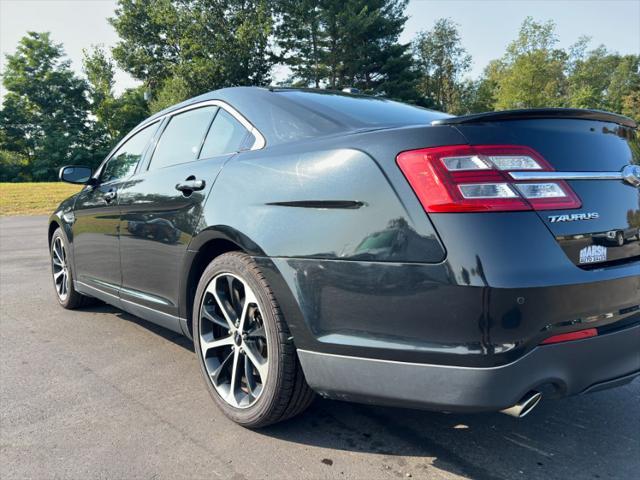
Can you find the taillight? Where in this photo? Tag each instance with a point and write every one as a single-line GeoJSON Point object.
{"type": "Point", "coordinates": [477, 178]}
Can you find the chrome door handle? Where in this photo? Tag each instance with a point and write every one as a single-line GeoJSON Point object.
{"type": "Point", "coordinates": [190, 185]}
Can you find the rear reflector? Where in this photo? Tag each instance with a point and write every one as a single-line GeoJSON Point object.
{"type": "Point", "coordinates": [567, 337]}
{"type": "Point", "coordinates": [477, 178]}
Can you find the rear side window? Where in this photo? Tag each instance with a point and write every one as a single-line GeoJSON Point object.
{"type": "Point", "coordinates": [226, 135]}
{"type": "Point", "coordinates": [123, 163]}
{"type": "Point", "coordinates": [182, 139]}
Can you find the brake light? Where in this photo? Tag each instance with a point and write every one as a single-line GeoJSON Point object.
{"type": "Point", "coordinates": [567, 337]}
{"type": "Point", "coordinates": [477, 178]}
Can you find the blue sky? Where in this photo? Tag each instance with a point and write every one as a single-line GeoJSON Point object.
{"type": "Point", "coordinates": [486, 26]}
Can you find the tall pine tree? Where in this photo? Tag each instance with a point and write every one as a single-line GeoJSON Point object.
{"type": "Point", "coordinates": [352, 43]}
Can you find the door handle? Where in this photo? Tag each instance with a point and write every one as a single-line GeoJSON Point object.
{"type": "Point", "coordinates": [190, 185]}
{"type": "Point", "coordinates": [110, 196]}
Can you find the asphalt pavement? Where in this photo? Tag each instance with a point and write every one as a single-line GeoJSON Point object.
{"type": "Point", "coordinates": [97, 393]}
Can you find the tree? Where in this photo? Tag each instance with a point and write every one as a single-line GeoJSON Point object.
{"type": "Point", "coordinates": [115, 116]}
{"type": "Point", "coordinates": [353, 43]}
{"type": "Point", "coordinates": [14, 167]}
{"type": "Point", "coordinates": [368, 46]}
{"type": "Point", "coordinates": [198, 45]}
{"type": "Point", "coordinates": [603, 80]}
{"type": "Point", "coordinates": [44, 113]}
{"type": "Point", "coordinates": [442, 61]}
{"type": "Point", "coordinates": [532, 72]}
{"type": "Point", "coordinates": [303, 40]}
{"type": "Point", "coordinates": [623, 93]}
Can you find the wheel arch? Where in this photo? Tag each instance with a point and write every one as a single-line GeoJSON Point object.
{"type": "Point", "coordinates": [54, 224]}
{"type": "Point", "coordinates": [203, 249]}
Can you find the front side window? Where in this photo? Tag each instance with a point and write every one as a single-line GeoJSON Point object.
{"type": "Point", "coordinates": [182, 138]}
{"type": "Point", "coordinates": [123, 163]}
{"type": "Point", "coordinates": [226, 135]}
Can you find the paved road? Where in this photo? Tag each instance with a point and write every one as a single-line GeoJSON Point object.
{"type": "Point", "coordinates": [101, 394]}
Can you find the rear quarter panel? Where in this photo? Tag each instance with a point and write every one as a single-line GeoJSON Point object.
{"type": "Point", "coordinates": [328, 199]}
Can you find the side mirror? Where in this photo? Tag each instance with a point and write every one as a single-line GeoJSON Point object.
{"type": "Point", "coordinates": [75, 174]}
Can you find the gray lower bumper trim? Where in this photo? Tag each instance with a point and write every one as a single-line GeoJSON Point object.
{"type": "Point", "coordinates": [571, 368]}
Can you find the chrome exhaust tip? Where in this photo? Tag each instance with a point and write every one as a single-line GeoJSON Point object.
{"type": "Point", "coordinates": [524, 406]}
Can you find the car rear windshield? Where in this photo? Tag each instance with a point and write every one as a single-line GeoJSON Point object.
{"type": "Point", "coordinates": [367, 111]}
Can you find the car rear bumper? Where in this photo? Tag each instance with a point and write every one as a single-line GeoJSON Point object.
{"type": "Point", "coordinates": [560, 369]}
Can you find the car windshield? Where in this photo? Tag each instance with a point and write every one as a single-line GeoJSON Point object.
{"type": "Point", "coordinates": [368, 111]}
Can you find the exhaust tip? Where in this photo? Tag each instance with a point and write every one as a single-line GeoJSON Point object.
{"type": "Point", "coordinates": [524, 406]}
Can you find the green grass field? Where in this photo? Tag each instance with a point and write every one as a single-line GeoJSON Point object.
{"type": "Point", "coordinates": [33, 198]}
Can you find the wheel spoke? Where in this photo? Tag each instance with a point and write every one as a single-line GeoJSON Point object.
{"type": "Point", "coordinates": [229, 316]}
{"type": "Point", "coordinates": [212, 317]}
{"type": "Point", "coordinates": [207, 345]}
{"type": "Point", "coordinates": [257, 332]}
{"type": "Point", "coordinates": [261, 365]}
{"type": "Point", "coordinates": [215, 375]}
{"type": "Point", "coordinates": [57, 252]}
{"type": "Point", "coordinates": [248, 301]}
{"type": "Point", "coordinates": [56, 262]}
{"type": "Point", "coordinates": [231, 398]}
{"type": "Point", "coordinates": [57, 275]}
{"type": "Point", "coordinates": [251, 380]}
{"type": "Point", "coordinates": [234, 296]}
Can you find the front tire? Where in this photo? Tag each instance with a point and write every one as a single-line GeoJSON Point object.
{"type": "Point", "coordinates": [244, 346]}
{"type": "Point", "coordinates": [66, 294]}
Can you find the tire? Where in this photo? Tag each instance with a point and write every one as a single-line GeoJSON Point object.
{"type": "Point", "coordinates": [62, 274]}
{"type": "Point", "coordinates": [265, 389]}
{"type": "Point", "coordinates": [619, 239]}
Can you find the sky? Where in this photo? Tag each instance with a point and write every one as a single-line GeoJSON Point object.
{"type": "Point", "coordinates": [486, 26]}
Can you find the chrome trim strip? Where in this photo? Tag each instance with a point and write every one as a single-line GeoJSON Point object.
{"type": "Point", "coordinates": [129, 301]}
{"type": "Point", "coordinates": [259, 139]}
{"type": "Point", "coordinates": [566, 175]}
{"type": "Point", "coordinates": [259, 143]}
{"type": "Point", "coordinates": [96, 289]}
{"type": "Point", "coordinates": [143, 296]}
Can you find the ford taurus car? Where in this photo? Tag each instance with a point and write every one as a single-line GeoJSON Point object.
{"type": "Point", "coordinates": [311, 241]}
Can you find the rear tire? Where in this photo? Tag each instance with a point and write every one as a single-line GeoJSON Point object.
{"type": "Point", "coordinates": [66, 294]}
{"type": "Point", "coordinates": [244, 346]}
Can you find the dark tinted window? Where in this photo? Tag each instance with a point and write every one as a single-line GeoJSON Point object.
{"type": "Point", "coordinates": [182, 138]}
{"type": "Point", "coordinates": [226, 135]}
{"type": "Point", "coordinates": [123, 163]}
{"type": "Point", "coordinates": [362, 109]}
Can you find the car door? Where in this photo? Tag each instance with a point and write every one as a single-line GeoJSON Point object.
{"type": "Point", "coordinates": [97, 219]}
{"type": "Point", "coordinates": [162, 203]}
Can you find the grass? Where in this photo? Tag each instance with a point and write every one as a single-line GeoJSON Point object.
{"type": "Point", "coordinates": [33, 198]}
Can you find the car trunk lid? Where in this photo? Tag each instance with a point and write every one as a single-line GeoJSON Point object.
{"type": "Point", "coordinates": [597, 154]}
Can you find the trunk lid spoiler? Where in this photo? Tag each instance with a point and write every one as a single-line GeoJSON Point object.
{"type": "Point", "coordinates": [539, 113]}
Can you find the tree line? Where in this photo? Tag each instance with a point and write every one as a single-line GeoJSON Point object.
{"type": "Point", "coordinates": [177, 49]}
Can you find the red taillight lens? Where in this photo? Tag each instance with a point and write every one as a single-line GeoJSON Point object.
{"type": "Point", "coordinates": [567, 337]}
{"type": "Point", "coordinates": [476, 178]}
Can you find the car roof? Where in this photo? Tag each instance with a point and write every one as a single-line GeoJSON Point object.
{"type": "Point", "coordinates": [289, 114]}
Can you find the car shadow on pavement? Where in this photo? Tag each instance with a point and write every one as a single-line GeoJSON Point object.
{"type": "Point", "coordinates": [561, 439]}
{"type": "Point", "coordinates": [165, 333]}
{"type": "Point", "coordinates": [592, 436]}
{"type": "Point", "coordinates": [579, 437]}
